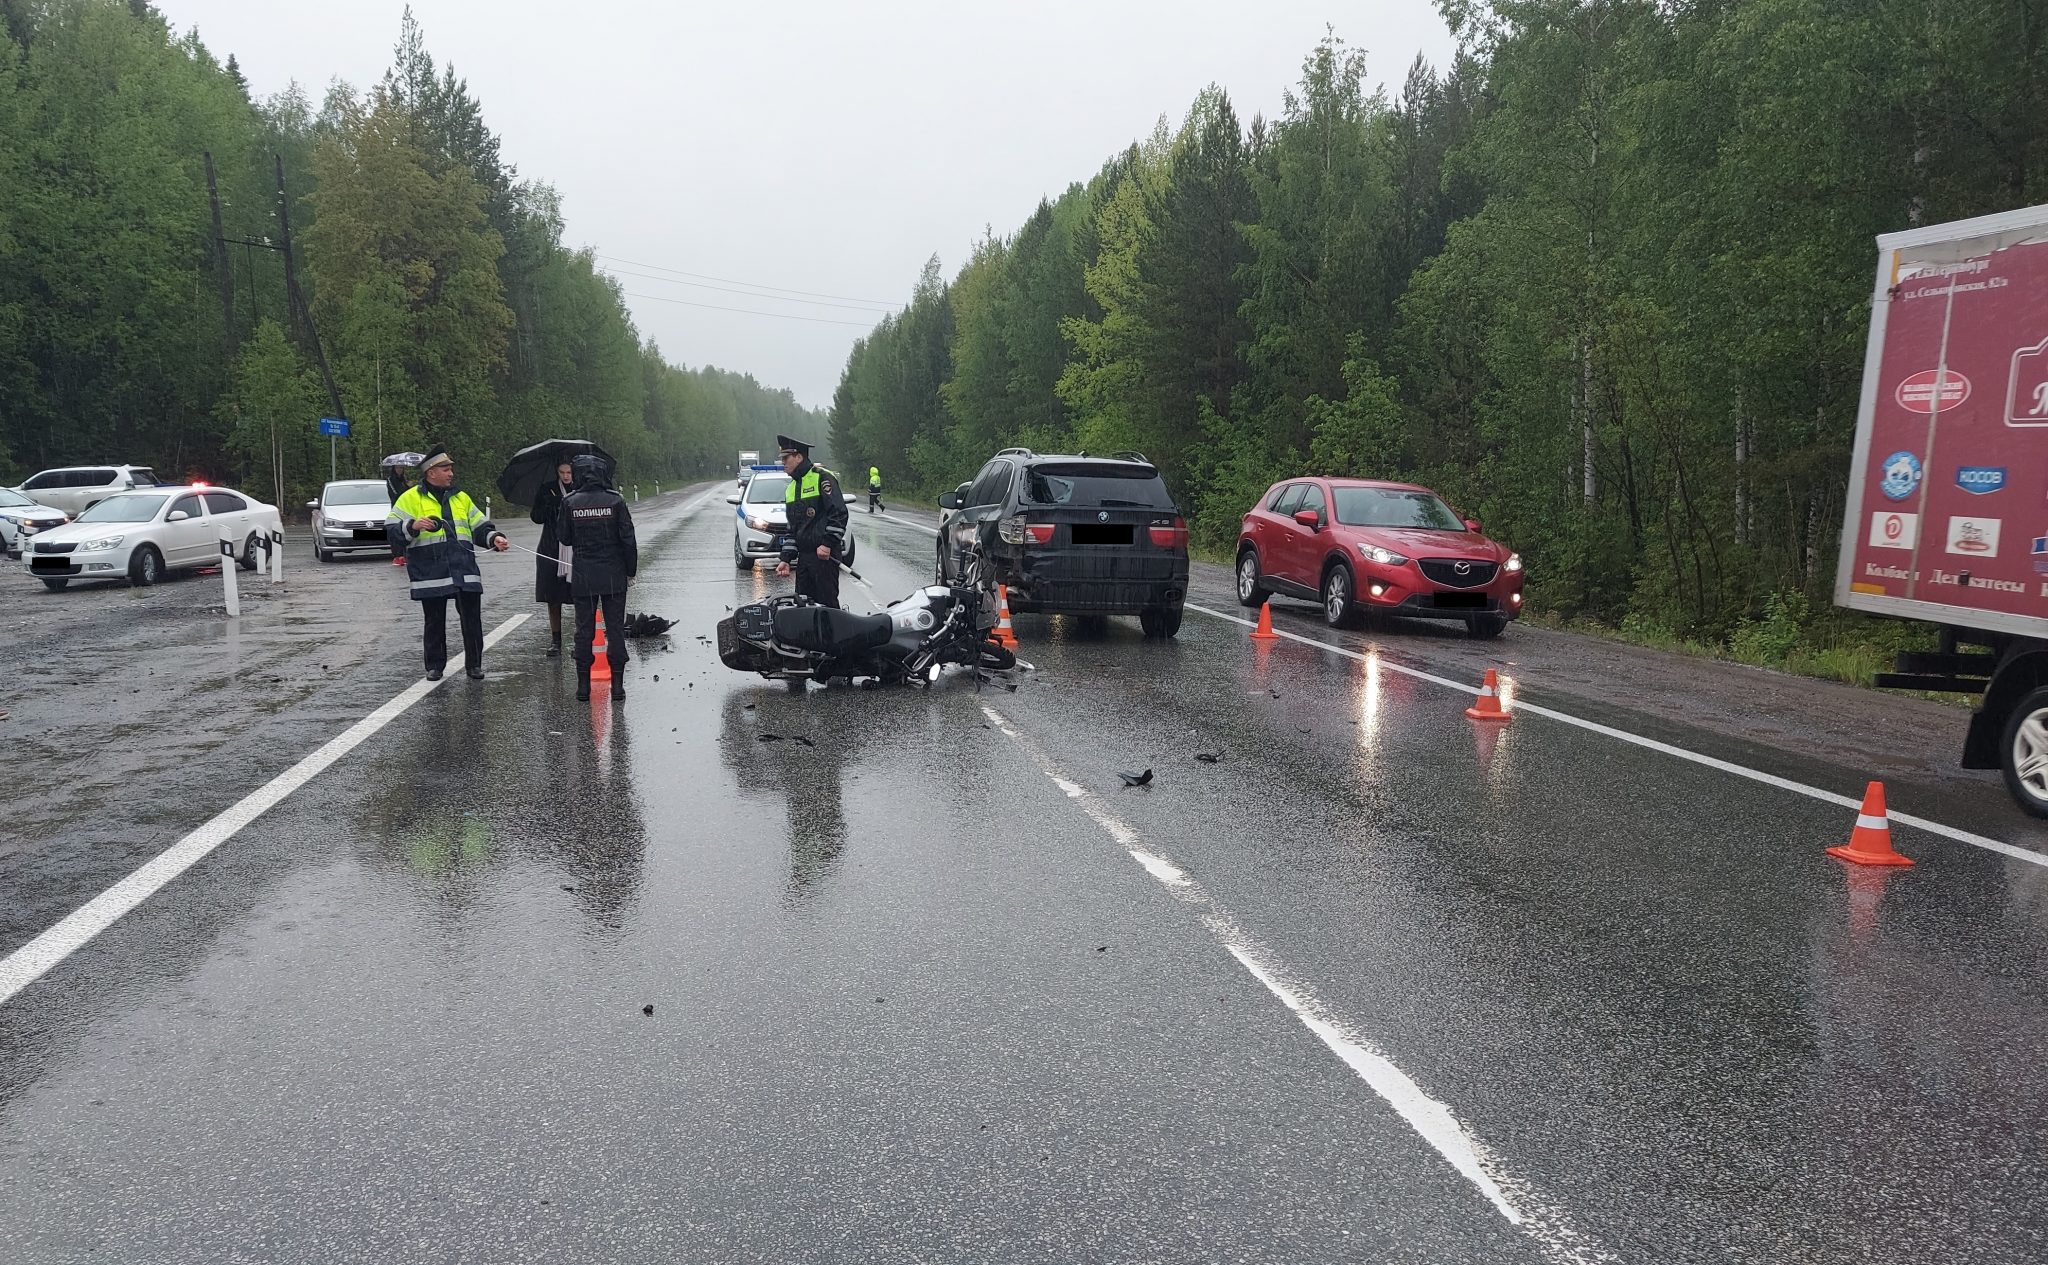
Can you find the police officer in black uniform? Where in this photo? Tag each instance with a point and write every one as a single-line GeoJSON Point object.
{"type": "Point", "coordinates": [817, 524]}
{"type": "Point", "coordinates": [598, 528]}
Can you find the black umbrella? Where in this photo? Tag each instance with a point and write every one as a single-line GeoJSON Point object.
{"type": "Point", "coordinates": [533, 467]}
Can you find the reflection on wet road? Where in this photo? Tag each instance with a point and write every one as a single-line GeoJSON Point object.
{"type": "Point", "coordinates": [928, 982]}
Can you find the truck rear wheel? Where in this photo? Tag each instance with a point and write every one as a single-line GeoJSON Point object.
{"type": "Point", "coordinates": [2023, 756]}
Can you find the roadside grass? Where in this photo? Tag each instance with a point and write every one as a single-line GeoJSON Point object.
{"type": "Point", "coordinates": [1789, 637]}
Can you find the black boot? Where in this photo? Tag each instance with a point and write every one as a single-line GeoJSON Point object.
{"type": "Point", "coordinates": [582, 682]}
{"type": "Point", "coordinates": [555, 647]}
{"type": "Point", "coordinates": [619, 683]}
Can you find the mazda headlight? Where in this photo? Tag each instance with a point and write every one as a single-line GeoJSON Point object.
{"type": "Point", "coordinates": [1384, 557]}
{"type": "Point", "coordinates": [1513, 564]}
{"type": "Point", "coordinates": [104, 542]}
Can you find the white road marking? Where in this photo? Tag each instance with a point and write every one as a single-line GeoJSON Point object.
{"type": "Point", "coordinates": [1651, 744]}
{"type": "Point", "coordinates": [1432, 1121]}
{"type": "Point", "coordinates": [904, 522]}
{"type": "Point", "coordinates": [32, 960]}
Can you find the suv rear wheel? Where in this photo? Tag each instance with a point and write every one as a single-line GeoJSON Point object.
{"type": "Point", "coordinates": [1249, 591]}
{"type": "Point", "coordinates": [1160, 621]}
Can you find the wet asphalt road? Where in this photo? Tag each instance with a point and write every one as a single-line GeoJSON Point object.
{"type": "Point", "coordinates": [1376, 986]}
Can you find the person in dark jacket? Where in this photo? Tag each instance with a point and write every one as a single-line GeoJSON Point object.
{"type": "Point", "coordinates": [443, 528]}
{"type": "Point", "coordinates": [817, 524]}
{"type": "Point", "coordinates": [549, 583]}
{"type": "Point", "coordinates": [603, 556]}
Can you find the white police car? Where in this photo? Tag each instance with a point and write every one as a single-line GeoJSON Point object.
{"type": "Point", "coordinates": [761, 518]}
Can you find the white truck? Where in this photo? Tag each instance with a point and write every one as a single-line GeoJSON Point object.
{"type": "Point", "coordinates": [1947, 517]}
{"type": "Point", "coordinates": [748, 460]}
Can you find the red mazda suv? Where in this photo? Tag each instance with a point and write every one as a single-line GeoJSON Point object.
{"type": "Point", "coordinates": [1362, 547]}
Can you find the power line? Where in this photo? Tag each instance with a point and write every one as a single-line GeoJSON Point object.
{"type": "Point", "coordinates": [752, 285]}
{"type": "Point", "coordinates": [772, 298]}
{"type": "Point", "coordinates": [780, 316]}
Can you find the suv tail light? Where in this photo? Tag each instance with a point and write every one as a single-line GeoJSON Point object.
{"type": "Point", "coordinates": [1015, 531]}
{"type": "Point", "coordinates": [1169, 533]}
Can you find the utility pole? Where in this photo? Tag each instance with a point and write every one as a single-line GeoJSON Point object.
{"type": "Point", "coordinates": [297, 297]}
{"type": "Point", "coordinates": [222, 261]}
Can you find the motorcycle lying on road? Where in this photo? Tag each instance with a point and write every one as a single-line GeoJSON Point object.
{"type": "Point", "coordinates": [796, 640]}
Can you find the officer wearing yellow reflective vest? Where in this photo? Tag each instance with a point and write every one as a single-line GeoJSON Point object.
{"type": "Point", "coordinates": [817, 524]}
{"type": "Point", "coordinates": [442, 528]}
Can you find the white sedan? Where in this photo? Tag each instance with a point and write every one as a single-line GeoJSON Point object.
{"type": "Point", "coordinates": [139, 536]}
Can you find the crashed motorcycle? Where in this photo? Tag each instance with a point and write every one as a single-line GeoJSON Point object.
{"type": "Point", "coordinates": [796, 640]}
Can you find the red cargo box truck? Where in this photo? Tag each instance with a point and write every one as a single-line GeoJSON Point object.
{"type": "Point", "coordinates": [1947, 516]}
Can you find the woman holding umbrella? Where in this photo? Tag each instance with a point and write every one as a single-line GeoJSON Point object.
{"type": "Point", "coordinates": [550, 586]}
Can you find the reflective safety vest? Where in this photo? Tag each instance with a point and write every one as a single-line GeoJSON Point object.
{"type": "Point", "coordinates": [442, 562]}
{"type": "Point", "coordinates": [875, 478]}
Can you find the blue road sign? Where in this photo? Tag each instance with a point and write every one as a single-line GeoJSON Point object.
{"type": "Point", "coordinates": [334, 426]}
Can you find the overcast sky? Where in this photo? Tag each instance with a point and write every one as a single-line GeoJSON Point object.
{"type": "Point", "coordinates": [818, 146]}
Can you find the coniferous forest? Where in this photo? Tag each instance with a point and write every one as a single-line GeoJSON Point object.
{"type": "Point", "coordinates": [1602, 281]}
{"type": "Point", "coordinates": [446, 305]}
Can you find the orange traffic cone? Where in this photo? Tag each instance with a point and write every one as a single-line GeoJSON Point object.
{"type": "Point", "coordinates": [1264, 632]}
{"type": "Point", "coordinates": [1870, 843]}
{"type": "Point", "coordinates": [1005, 634]}
{"type": "Point", "coordinates": [601, 662]}
{"type": "Point", "coordinates": [1488, 707]}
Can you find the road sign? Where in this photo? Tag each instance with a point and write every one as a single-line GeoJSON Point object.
{"type": "Point", "coordinates": [334, 426]}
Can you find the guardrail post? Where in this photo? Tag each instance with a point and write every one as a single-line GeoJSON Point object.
{"type": "Point", "coordinates": [274, 543]}
{"type": "Point", "coordinates": [229, 561]}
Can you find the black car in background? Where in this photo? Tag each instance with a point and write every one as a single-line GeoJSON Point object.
{"type": "Point", "coordinates": [1073, 535]}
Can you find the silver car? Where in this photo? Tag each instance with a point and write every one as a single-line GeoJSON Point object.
{"type": "Point", "coordinates": [350, 515]}
{"type": "Point", "coordinates": [21, 518]}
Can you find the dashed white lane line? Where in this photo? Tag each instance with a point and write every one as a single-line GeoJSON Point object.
{"type": "Point", "coordinates": [1431, 1120]}
{"type": "Point", "coordinates": [1664, 748]}
{"type": "Point", "coordinates": [31, 961]}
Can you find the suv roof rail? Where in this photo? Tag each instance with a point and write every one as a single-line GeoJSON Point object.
{"type": "Point", "coordinates": [1130, 454]}
{"type": "Point", "coordinates": [1016, 452]}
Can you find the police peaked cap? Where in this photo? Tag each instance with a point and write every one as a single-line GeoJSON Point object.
{"type": "Point", "coordinates": [786, 444]}
{"type": "Point", "coordinates": [436, 456]}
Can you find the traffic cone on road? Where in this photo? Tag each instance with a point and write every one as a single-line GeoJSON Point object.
{"type": "Point", "coordinates": [1870, 843]}
{"type": "Point", "coordinates": [1005, 634]}
{"type": "Point", "coordinates": [1264, 632]}
{"type": "Point", "coordinates": [1488, 707]}
{"type": "Point", "coordinates": [600, 662]}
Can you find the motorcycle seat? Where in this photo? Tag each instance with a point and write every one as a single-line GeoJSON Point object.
{"type": "Point", "coordinates": [828, 631]}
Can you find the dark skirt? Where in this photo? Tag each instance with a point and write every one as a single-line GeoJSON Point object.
{"type": "Point", "coordinates": [547, 586]}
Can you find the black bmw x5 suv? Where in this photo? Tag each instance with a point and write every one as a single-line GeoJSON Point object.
{"type": "Point", "coordinates": [1075, 535]}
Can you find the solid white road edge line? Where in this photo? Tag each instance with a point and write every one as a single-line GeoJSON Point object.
{"type": "Point", "coordinates": [31, 961]}
{"type": "Point", "coordinates": [1652, 744]}
{"type": "Point", "coordinates": [1649, 744]}
{"type": "Point", "coordinates": [1432, 1121]}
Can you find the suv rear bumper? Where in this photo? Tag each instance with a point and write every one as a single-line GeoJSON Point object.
{"type": "Point", "coordinates": [1057, 585]}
